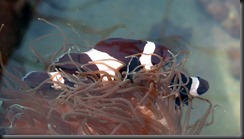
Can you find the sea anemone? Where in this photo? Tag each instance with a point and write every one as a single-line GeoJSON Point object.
{"type": "Point", "coordinates": [144, 105]}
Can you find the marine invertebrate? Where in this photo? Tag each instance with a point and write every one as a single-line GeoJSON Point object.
{"type": "Point", "coordinates": [86, 104]}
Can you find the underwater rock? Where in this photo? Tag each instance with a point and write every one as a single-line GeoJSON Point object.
{"type": "Point", "coordinates": [226, 12]}
{"type": "Point", "coordinates": [15, 15]}
{"type": "Point", "coordinates": [167, 28]}
{"type": "Point", "coordinates": [234, 55]}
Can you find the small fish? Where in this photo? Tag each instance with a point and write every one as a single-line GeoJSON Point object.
{"type": "Point", "coordinates": [196, 86]}
{"type": "Point", "coordinates": [117, 49]}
